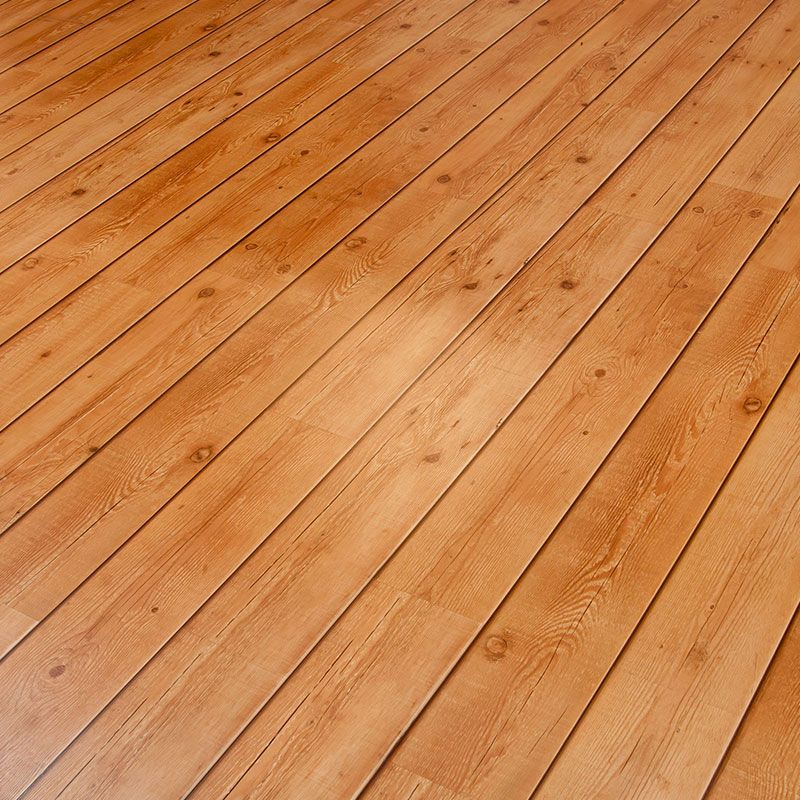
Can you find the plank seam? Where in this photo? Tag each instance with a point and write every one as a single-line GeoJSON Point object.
{"type": "Point", "coordinates": [222, 27]}
{"type": "Point", "coordinates": [620, 438]}
{"type": "Point", "coordinates": [308, 188]}
{"type": "Point", "coordinates": [115, 139]}
{"type": "Point", "coordinates": [385, 563]}
{"type": "Point", "coordinates": [38, 16]}
{"type": "Point", "coordinates": [64, 38]}
{"type": "Point", "coordinates": [781, 642]}
{"type": "Point", "coordinates": [680, 556]}
{"type": "Point", "coordinates": [550, 367]}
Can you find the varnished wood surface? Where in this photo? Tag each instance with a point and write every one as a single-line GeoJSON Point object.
{"type": "Point", "coordinates": [399, 399]}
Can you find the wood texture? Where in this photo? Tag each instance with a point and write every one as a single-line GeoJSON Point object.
{"type": "Point", "coordinates": [399, 399]}
{"type": "Point", "coordinates": [763, 759]}
{"type": "Point", "coordinates": [465, 575]}
{"type": "Point", "coordinates": [75, 91]}
{"type": "Point", "coordinates": [374, 276]}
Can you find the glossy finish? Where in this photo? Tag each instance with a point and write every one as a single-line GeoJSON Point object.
{"type": "Point", "coordinates": [399, 399]}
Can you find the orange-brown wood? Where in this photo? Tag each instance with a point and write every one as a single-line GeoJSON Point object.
{"type": "Point", "coordinates": [161, 43]}
{"type": "Point", "coordinates": [764, 759]}
{"type": "Point", "coordinates": [398, 399]}
{"type": "Point", "coordinates": [389, 256]}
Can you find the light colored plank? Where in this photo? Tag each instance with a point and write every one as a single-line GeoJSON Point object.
{"type": "Point", "coordinates": [74, 168]}
{"type": "Point", "coordinates": [202, 540]}
{"type": "Point", "coordinates": [393, 476]}
{"type": "Point", "coordinates": [431, 209]}
{"type": "Point", "coordinates": [763, 762]}
{"type": "Point", "coordinates": [51, 27]}
{"type": "Point", "coordinates": [16, 13]}
{"type": "Point", "coordinates": [92, 82]}
{"type": "Point", "coordinates": [76, 255]}
{"type": "Point", "coordinates": [81, 46]}
{"type": "Point", "coordinates": [341, 260]}
{"type": "Point", "coordinates": [551, 643]}
{"type": "Point", "coordinates": [14, 625]}
{"type": "Point", "coordinates": [662, 719]}
{"type": "Point", "coordinates": [470, 548]}
{"type": "Point", "coordinates": [395, 783]}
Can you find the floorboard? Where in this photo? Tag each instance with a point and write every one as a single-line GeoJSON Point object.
{"type": "Point", "coordinates": [463, 563]}
{"type": "Point", "coordinates": [392, 254]}
{"type": "Point", "coordinates": [211, 157]}
{"type": "Point", "coordinates": [762, 761]}
{"type": "Point", "coordinates": [51, 29]}
{"type": "Point", "coordinates": [399, 400]}
{"type": "Point", "coordinates": [712, 644]}
{"type": "Point", "coordinates": [16, 14]}
{"type": "Point", "coordinates": [209, 21]}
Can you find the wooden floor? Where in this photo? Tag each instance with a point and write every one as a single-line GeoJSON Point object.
{"type": "Point", "coordinates": [399, 399]}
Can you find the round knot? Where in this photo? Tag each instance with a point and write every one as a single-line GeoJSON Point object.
{"type": "Point", "coordinates": [752, 404]}
{"type": "Point", "coordinates": [201, 454]}
{"type": "Point", "coordinates": [496, 647]}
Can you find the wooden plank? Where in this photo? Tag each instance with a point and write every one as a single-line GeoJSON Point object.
{"type": "Point", "coordinates": [399, 251]}
{"type": "Point", "coordinates": [236, 47]}
{"type": "Point", "coordinates": [145, 276]}
{"type": "Point", "coordinates": [31, 753]}
{"type": "Point", "coordinates": [87, 248]}
{"type": "Point", "coordinates": [242, 383]}
{"type": "Point", "coordinates": [69, 449]}
{"type": "Point", "coordinates": [29, 57]}
{"type": "Point", "coordinates": [763, 762]}
{"type": "Point", "coordinates": [398, 784]}
{"type": "Point", "coordinates": [87, 85]}
{"type": "Point", "coordinates": [258, 284]}
{"type": "Point", "coordinates": [53, 26]}
{"type": "Point", "coordinates": [547, 649]}
{"type": "Point", "coordinates": [13, 626]}
{"type": "Point", "coordinates": [462, 561]}
{"type": "Point", "coordinates": [695, 661]}
{"type": "Point", "coordinates": [411, 445]}
{"type": "Point", "coordinates": [115, 134]}
{"type": "Point", "coordinates": [15, 14]}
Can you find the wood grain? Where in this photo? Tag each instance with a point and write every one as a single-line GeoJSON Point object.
{"type": "Point", "coordinates": [563, 624]}
{"type": "Point", "coordinates": [77, 90]}
{"type": "Point", "coordinates": [207, 162]}
{"type": "Point", "coordinates": [237, 376]}
{"type": "Point", "coordinates": [714, 627]}
{"type": "Point", "coordinates": [448, 562]}
{"type": "Point", "coordinates": [373, 271]}
{"type": "Point", "coordinates": [398, 399]}
{"type": "Point", "coordinates": [762, 761]}
{"type": "Point", "coordinates": [392, 476]}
